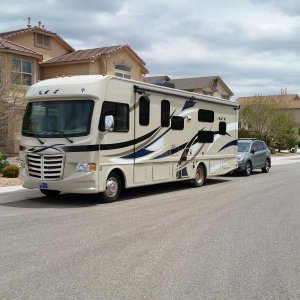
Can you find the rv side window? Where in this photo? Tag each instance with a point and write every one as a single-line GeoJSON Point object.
{"type": "Point", "coordinates": [205, 115]}
{"type": "Point", "coordinates": [177, 123]}
{"type": "Point", "coordinates": [222, 128]}
{"type": "Point", "coordinates": [119, 111]}
{"type": "Point", "coordinates": [144, 110]}
{"type": "Point", "coordinates": [205, 136]}
{"type": "Point", "coordinates": [165, 113]}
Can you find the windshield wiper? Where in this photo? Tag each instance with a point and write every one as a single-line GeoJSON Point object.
{"type": "Point", "coordinates": [41, 142]}
{"type": "Point", "coordinates": [59, 131]}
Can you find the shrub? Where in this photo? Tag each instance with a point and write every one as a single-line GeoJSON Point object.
{"type": "Point", "coordinates": [11, 171]}
{"type": "Point", "coordinates": [3, 162]}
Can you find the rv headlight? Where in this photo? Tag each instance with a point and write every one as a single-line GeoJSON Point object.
{"type": "Point", "coordinates": [85, 167]}
{"type": "Point", "coordinates": [240, 157]}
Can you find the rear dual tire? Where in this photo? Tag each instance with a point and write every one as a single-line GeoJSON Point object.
{"type": "Point", "coordinates": [200, 176]}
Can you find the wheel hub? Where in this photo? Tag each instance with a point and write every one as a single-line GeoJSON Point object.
{"type": "Point", "coordinates": [111, 187]}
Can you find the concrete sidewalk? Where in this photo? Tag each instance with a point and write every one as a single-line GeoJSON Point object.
{"type": "Point", "coordinates": [277, 160]}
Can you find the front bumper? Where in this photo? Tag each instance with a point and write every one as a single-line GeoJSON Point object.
{"type": "Point", "coordinates": [77, 183]}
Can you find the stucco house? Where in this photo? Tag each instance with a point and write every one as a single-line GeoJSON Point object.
{"type": "Point", "coordinates": [293, 104]}
{"type": "Point", "coordinates": [34, 53]}
{"type": "Point", "coordinates": [211, 85]}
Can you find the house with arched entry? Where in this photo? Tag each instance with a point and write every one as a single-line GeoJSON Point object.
{"type": "Point", "coordinates": [33, 53]}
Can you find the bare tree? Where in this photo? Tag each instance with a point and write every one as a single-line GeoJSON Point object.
{"type": "Point", "coordinates": [270, 119]}
{"type": "Point", "coordinates": [12, 101]}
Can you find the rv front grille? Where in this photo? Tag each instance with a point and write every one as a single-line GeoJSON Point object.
{"type": "Point", "coordinates": [45, 167]}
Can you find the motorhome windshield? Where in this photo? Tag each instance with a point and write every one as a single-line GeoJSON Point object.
{"type": "Point", "coordinates": [67, 118]}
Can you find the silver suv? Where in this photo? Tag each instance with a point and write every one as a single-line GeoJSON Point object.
{"type": "Point", "coordinates": [253, 154]}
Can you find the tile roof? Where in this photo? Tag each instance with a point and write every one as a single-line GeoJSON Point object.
{"type": "Point", "coordinates": [6, 45]}
{"type": "Point", "coordinates": [89, 54]}
{"type": "Point", "coordinates": [193, 83]}
{"type": "Point", "coordinates": [292, 99]}
{"type": "Point", "coordinates": [197, 82]}
{"type": "Point", "coordinates": [153, 79]}
{"type": "Point", "coordinates": [11, 34]}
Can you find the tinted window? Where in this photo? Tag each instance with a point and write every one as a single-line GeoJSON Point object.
{"type": "Point", "coordinates": [222, 128]}
{"type": "Point", "coordinates": [243, 146]}
{"type": "Point", "coordinates": [205, 136]}
{"type": "Point", "coordinates": [177, 123]}
{"type": "Point", "coordinates": [165, 113]}
{"type": "Point", "coordinates": [260, 146]}
{"type": "Point", "coordinates": [254, 146]}
{"type": "Point", "coordinates": [144, 111]}
{"type": "Point", "coordinates": [119, 111]}
{"type": "Point", "coordinates": [206, 115]}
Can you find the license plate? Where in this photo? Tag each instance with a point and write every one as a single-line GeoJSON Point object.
{"type": "Point", "coordinates": [43, 185]}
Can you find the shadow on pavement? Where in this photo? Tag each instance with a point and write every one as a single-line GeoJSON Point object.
{"type": "Point", "coordinates": [87, 200]}
{"type": "Point", "coordinates": [62, 201]}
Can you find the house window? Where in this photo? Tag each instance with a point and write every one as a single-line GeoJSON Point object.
{"type": "Point", "coordinates": [123, 71]}
{"type": "Point", "coordinates": [144, 111]}
{"type": "Point", "coordinates": [205, 115]}
{"type": "Point", "coordinates": [225, 97]}
{"type": "Point", "coordinates": [22, 72]}
{"type": "Point", "coordinates": [165, 113]}
{"type": "Point", "coordinates": [43, 41]}
{"type": "Point", "coordinates": [120, 112]}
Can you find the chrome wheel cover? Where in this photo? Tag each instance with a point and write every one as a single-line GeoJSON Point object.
{"type": "Point", "coordinates": [112, 187]}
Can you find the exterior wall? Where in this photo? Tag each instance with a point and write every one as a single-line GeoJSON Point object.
{"type": "Point", "coordinates": [65, 70]}
{"type": "Point", "coordinates": [27, 40]}
{"type": "Point", "coordinates": [125, 57]}
{"type": "Point", "coordinates": [221, 91]}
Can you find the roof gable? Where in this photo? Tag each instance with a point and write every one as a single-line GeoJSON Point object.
{"type": "Point", "coordinates": [199, 82]}
{"type": "Point", "coordinates": [11, 34]}
{"type": "Point", "coordinates": [8, 46]}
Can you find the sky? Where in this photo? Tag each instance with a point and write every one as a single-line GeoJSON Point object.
{"type": "Point", "coordinates": [253, 45]}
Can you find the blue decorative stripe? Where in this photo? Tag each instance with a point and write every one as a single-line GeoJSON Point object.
{"type": "Point", "coordinates": [170, 152]}
{"type": "Point", "coordinates": [232, 143]}
{"type": "Point", "coordinates": [140, 153]}
{"type": "Point", "coordinates": [188, 104]}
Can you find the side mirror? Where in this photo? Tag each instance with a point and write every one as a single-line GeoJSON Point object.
{"type": "Point", "coordinates": [109, 123]}
{"type": "Point", "coordinates": [252, 151]}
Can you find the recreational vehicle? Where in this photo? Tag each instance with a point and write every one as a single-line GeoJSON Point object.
{"type": "Point", "coordinates": [100, 134]}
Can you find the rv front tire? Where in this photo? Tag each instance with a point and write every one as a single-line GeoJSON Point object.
{"type": "Point", "coordinates": [113, 188]}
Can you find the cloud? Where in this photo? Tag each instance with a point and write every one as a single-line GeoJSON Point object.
{"type": "Point", "coordinates": [251, 44]}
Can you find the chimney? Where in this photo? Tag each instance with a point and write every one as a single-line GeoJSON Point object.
{"type": "Point", "coordinates": [28, 24]}
{"type": "Point", "coordinates": [39, 22]}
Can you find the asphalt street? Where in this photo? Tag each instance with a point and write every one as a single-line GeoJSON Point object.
{"type": "Point", "coordinates": [234, 238]}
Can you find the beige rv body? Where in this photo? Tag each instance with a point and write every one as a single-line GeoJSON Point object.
{"type": "Point", "coordinates": [141, 155]}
